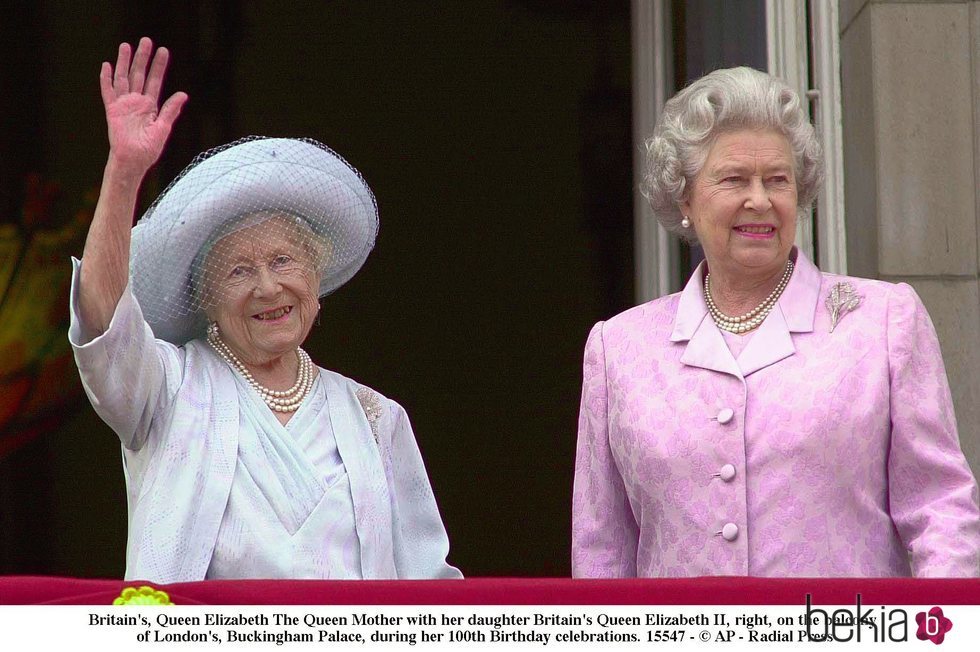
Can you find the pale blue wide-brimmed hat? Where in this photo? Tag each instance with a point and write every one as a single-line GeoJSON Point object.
{"type": "Point", "coordinates": [296, 177]}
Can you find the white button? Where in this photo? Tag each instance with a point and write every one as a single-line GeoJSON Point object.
{"type": "Point", "coordinates": [725, 415]}
{"type": "Point", "coordinates": [729, 532]}
{"type": "Point", "coordinates": [727, 473]}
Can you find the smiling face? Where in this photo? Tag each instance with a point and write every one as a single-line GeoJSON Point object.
{"type": "Point", "coordinates": [743, 204]}
{"type": "Point", "coordinates": [265, 289]}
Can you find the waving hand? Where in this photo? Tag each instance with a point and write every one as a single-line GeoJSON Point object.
{"type": "Point", "coordinates": [138, 129]}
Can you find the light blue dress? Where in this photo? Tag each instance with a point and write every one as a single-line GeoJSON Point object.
{"type": "Point", "coordinates": [290, 512]}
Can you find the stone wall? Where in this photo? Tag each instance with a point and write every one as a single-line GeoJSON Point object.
{"type": "Point", "coordinates": [911, 105]}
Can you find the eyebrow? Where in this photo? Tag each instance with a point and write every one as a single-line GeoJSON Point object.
{"type": "Point", "coordinates": [725, 169]}
{"type": "Point", "coordinates": [232, 262]}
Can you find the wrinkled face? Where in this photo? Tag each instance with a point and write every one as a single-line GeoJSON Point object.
{"type": "Point", "coordinates": [743, 203]}
{"type": "Point", "coordinates": [264, 286]}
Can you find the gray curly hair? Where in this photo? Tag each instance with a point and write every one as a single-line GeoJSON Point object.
{"type": "Point", "coordinates": [723, 101]}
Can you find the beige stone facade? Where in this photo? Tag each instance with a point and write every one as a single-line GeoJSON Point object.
{"type": "Point", "coordinates": [911, 114]}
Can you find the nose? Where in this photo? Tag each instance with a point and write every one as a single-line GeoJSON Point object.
{"type": "Point", "coordinates": [758, 197]}
{"type": "Point", "coordinates": [266, 283]}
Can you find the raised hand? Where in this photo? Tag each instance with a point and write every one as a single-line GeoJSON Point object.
{"type": "Point", "coordinates": [138, 129]}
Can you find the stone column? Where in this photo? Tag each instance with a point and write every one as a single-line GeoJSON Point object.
{"type": "Point", "coordinates": [911, 108]}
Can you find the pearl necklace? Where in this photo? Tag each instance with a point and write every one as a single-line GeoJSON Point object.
{"type": "Point", "coordinates": [753, 318]}
{"type": "Point", "coordinates": [287, 400]}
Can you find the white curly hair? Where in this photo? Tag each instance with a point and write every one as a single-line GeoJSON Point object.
{"type": "Point", "coordinates": [724, 101]}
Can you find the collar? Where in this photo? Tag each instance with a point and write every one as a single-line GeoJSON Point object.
{"type": "Point", "coordinates": [793, 313]}
{"type": "Point", "coordinates": [798, 304]}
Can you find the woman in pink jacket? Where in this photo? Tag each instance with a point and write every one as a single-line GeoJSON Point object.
{"type": "Point", "coordinates": [770, 419]}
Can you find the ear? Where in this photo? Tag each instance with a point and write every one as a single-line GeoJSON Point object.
{"type": "Point", "coordinates": [210, 309]}
{"type": "Point", "coordinates": [685, 208]}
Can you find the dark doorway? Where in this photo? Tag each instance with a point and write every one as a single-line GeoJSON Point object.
{"type": "Point", "coordinates": [496, 135]}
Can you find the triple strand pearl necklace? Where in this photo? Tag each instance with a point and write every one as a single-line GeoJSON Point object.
{"type": "Point", "coordinates": [754, 317]}
{"type": "Point", "coordinates": [287, 400]}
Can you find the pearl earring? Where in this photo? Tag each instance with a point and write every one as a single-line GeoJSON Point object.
{"type": "Point", "coordinates": [213, 329]}
{"type": "Point", "coordinates": [686, 223]}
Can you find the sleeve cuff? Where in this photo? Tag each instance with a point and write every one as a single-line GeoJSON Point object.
{"type": "Point", "coordinates": [79, 335]}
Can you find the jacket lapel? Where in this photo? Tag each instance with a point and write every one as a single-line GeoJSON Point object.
{"type": "Point", "coordinates": [706, 347]}
{"type": "Point", "coordinates": [365, 471]}
{"type": "Point", "coordinates": [770, 344]}
{"type": "Point", "coordinates": [213, 490]}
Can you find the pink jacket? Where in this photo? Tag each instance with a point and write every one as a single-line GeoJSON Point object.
{"type": "Point", "coordinates": [812, 454]}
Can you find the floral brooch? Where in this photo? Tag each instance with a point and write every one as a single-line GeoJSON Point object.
{"type": "Point", "coordinates": [371, 405]}
{"type": "Point", "coordinates": [843, 298]}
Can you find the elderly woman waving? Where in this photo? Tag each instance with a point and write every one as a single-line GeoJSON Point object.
{"type": "Point", "coordinates": [242, 457]}
{"type": "Point", "coordinates": [769, 419]}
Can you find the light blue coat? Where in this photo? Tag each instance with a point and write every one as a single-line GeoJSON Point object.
{"type": "Point", "coordinates": [176, 412]}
